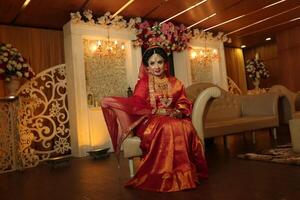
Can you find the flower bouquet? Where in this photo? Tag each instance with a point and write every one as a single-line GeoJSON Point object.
{"type": "Point", "coordinates": [256, 70]}
{"type": "Point", "coordinates": [166, 35]}
{"type": "Point", "coordinates": [13, 64]}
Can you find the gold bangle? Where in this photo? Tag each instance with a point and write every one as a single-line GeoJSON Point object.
{"type": "Point", "coordinates": [161, 111]}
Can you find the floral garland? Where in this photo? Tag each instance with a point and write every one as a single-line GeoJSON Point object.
{"type": "Point", "coordinates": [106, 20]}
{"type": "Point", "coordinates": [256, 69]}
{"type": "Point", "coordinates": [12, 63]}
{"type": "Point", "coordinates": [167, 35]}
{"type": "Point", "coordinates": [209, 36]}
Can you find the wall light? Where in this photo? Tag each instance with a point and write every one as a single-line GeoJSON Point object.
{"type": "Point", "coordinates": [243, 46]}
{"type": "Point", "coordinates": [268, 39]}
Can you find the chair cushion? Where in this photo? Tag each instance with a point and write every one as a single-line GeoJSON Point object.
{"type": "Point", "coordinates": [131, 147]}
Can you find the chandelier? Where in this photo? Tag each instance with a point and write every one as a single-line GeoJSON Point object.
{"type": "Point", "coordinates": [204, 55]}
{"type": "Point", "coordinates": [107, 48]}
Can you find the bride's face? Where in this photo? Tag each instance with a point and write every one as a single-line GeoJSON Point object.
{"type": "Point", "coordinates": [156, 65]}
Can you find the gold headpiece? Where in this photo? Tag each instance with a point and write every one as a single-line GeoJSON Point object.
{"type": "Point", "coordinates": [152, 47]}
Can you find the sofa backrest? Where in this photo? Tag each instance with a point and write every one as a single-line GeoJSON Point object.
{"type": "Point", "coordinates": [227, 106]}
{"type": "Point", "coordinates": [194, 90]}
{"type": "Point", "coordinates": [215, 107]}
{"type": "Point", "coordinates": [256, 105]}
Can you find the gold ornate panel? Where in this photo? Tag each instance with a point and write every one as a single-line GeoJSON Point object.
{"type": "Point", "coordinates": [105, 68]}
{"type": "Point", "coordinates": [232, 87]}
{"type": "Point", "coordinates": [201, 71]}
{"type": "Point", "coordinates": [9, 157]}
{"type": "Point", "coordinates": [201, 61]}
{"type": "Point", "coordinates": [43, 117]}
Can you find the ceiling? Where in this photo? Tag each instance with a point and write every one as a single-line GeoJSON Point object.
{"type": "Point", "coordinates": [255, 26]}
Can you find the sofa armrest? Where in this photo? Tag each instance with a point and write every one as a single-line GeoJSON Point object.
{"type": "Point", "coordinates": [199, 107]}
{"type": "Point", "coordinates": [283, 92]}
{"type": "Point", "coordinates": [260, 105]}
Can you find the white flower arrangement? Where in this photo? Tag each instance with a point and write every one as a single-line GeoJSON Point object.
{"type": "Point", "coordinates": [256, 69]}
{"type": "Point", "coordinates": [12, 63]}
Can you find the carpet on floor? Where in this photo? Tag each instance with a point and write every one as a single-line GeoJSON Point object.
{"type": "Point", "coordinates": [281, 154]}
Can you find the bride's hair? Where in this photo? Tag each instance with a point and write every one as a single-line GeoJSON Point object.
{"type": "Point", "coordinates": [154, 50]}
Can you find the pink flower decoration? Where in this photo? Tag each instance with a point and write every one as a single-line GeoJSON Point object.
{"type": "Point", "coordinates": [167, 35]}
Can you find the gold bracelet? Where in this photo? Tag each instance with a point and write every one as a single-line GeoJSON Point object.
{"type": "Point", "coordinates": [161, 111]}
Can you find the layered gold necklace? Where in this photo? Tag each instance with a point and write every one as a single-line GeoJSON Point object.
{"type": "Point", "coordinates": [159, 87]}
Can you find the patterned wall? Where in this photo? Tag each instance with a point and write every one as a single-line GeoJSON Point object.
{"type": "Point", "coordinates": [105, 68]}
{"type": "Point", "coordinates": [201, 72]}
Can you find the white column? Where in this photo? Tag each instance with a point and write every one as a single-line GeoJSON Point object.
{"type": "Point", "coordinates": [86, 133]}
{"type": "Point", "coordinates": [182, 67]}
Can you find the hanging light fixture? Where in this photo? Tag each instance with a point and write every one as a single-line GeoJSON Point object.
{"type": "Point", "coordinates": [107, 47]}
{"type": "Point", "coordinates": [204, 54]}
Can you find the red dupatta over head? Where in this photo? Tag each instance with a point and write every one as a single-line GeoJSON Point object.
{"type": "Point", "coordinates": [143, 72]}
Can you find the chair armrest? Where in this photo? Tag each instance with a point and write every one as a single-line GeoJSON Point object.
{"type": "Point", "coordinates": [199, 107]}
{"type": "Point", "coordinates": [260, 105]}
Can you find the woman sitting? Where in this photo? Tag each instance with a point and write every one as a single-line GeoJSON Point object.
{"type": "Point", "coordinates": [173, 157]}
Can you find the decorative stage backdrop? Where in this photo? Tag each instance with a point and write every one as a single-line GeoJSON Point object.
{"type": "Point", "coordinates": [103, 57]}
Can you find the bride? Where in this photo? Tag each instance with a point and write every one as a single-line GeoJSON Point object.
{"type": "Point", "coordinates": [173, 157]}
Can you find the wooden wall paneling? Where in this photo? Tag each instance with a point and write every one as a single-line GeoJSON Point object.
{"type": "Point", "coordinates": [43, 48]}
{"type": "Point", "coordinates": [235, 67]}
{"type": "Point", "coordinates": [288, 44]}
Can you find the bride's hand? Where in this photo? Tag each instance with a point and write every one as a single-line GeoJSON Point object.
{"type": "Point", "coordinates": [176, 113]}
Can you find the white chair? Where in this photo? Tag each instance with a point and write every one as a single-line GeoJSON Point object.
{"type": "Point", "coordinates": [131, 145]}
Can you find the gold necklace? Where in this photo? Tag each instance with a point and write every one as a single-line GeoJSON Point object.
{"type": "Point", "coordinates": [160, 87]}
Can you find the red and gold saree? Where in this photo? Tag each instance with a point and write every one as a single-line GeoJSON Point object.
{"type": "Point", "coordinates": [173, 157]}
